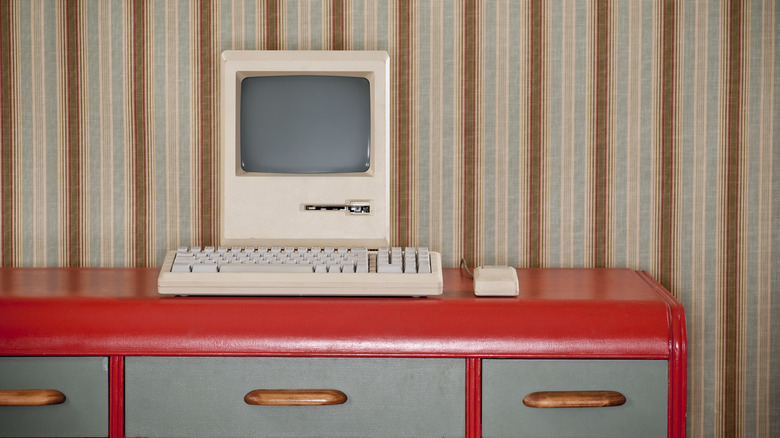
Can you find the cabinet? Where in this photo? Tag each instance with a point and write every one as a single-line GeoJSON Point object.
{"type": "Point", "coordinates": [454, 365]}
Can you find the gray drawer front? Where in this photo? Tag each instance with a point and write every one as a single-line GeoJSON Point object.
{"type": "Point", "coordinates": [386, 397]}
{"type": "Point", "coordinates": [506, 382]}
{"type": "Point", "coordinates": [83, 381]}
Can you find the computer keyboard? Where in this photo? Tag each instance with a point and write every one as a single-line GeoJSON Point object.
{"type": "Point", "coordinates": [279, 270]}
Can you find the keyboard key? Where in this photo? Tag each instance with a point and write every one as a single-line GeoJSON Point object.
{"type": "Point", "coordinates": [271, 267]}
{"type": "Point", "coordinates": [389, 269]}
{"type": "Point", "coordinates": [181, 267]}
{"type": "Point", "coordinates": [204, 267]}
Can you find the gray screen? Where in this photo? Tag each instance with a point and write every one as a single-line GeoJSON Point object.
{"type": "Point", "coordinates": [305, 124]}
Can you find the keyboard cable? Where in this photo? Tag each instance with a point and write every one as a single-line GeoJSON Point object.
{"type": "Point", "coordinates": [465, 267]}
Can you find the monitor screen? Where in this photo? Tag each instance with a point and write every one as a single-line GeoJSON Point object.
{"type": "Point", "coordinates": [305, 124]}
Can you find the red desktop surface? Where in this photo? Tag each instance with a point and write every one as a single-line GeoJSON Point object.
{"type": "Point", "coordinates": [559, 313]}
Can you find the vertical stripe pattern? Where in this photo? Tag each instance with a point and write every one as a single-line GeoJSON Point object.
{"type": "Point", "coordinates": [139, 142]}
{"type": "Point", "coordinates": [471, 133]}
{"type": "Point", "coordinates": [536, 131]}
{"type": "Point", "coordinates": [731, 151]}
{"type": "Point", "coordinates": [208, 116]}
{"type": "Point", "coordinates": [532, 133]}
{"type": "Point", "coordinates": [402, 116]}
{"type": "Point", "coordinates": [666, 137]}
{"type": "Point", "coordinates": [601, 77]}
{"type": "Point", "coordinates": [72, 49]}
{"type": "Point", "coordinates": [8, 35]}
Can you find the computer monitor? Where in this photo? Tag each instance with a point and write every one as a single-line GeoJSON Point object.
{"type": "Point", "coordinates": [305, 147]}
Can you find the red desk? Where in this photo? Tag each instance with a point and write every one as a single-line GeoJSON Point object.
{"type": "Point", "coordinates": [559, 314]}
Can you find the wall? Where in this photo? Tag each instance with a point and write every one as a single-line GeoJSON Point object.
{"type": "Point", "coordinates": [560, 133]}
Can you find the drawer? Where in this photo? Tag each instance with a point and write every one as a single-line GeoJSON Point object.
{"type": "Point", "coordinates": [82, 380]}
{"type": "Point", "coordinates": [505, 383]}
{"type": "Point", "coordinates": [204, 397]}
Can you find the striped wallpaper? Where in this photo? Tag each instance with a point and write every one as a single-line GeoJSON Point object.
{"type": "Point", "coordinates": [531, 133]}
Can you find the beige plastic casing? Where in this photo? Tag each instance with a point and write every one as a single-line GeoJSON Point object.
{"type": "Point", "coordinates": [495, 281]}
{"type": "Point", "coordinates": [268, 209]}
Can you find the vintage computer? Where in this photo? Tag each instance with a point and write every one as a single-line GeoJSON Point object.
{"type": "Point", "coordinates": [304, 184]}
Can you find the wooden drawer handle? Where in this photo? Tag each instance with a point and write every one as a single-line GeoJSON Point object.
{"type": "Point", "coordinates": [295, 397]}
{"type": "Point", "coordinates": [31, 397]}
{"type": "Point", "coordinates": [574, 399]}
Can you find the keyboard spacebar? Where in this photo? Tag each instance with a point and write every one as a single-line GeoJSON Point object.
{"type": "Point", "coordinates": [265, 267]}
